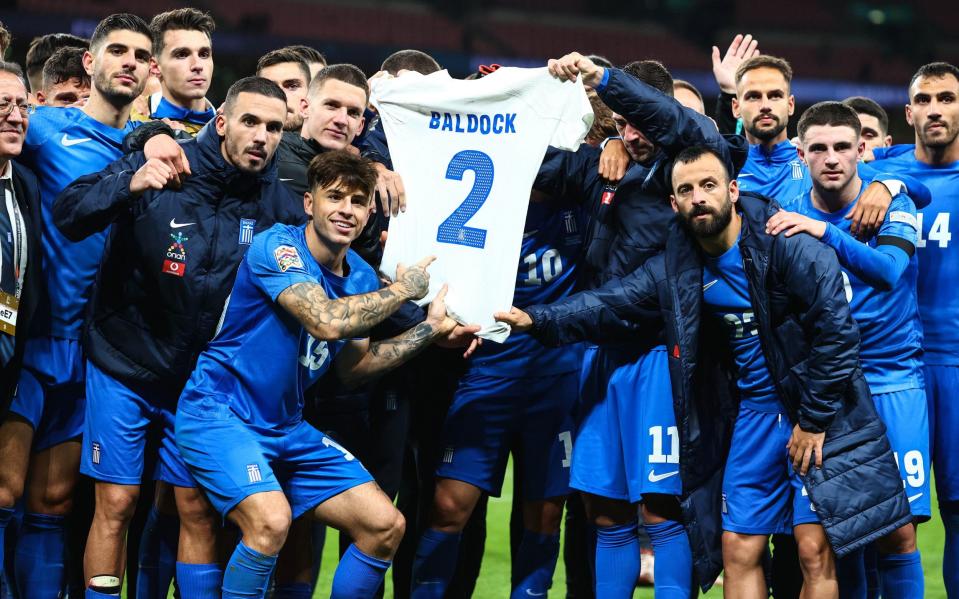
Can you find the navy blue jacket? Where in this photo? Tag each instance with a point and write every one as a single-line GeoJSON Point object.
{"type": "Point", "coordinates": [811, 346]}
{"type": "Point", "coordinates": [630, 220]}
{"type": "Point", "coordinates": [144, 324]}
{"type": "Point", "coordinates": [27, 194]}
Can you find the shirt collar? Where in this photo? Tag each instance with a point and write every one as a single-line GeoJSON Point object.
{"type": "Point", "coordinates": [7, 171]}
{"type": "Point", "coordinates": [164, 109]}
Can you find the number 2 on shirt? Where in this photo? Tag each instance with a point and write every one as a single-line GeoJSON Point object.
{"type": "Point", "coordinates": [453, 229]}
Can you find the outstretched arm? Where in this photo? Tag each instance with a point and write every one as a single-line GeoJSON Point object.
{"type": "Point", "coordinates": [361, 360]}
{"type": "Point", "coordinates": [352, 316]}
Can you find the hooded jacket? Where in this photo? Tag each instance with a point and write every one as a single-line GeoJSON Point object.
{"type": "Point", "coordinates": [811, 346]}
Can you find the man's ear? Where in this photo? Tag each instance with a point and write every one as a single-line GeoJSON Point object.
{"type": "Point", "coordinates": [736, 112]}
{"type": "Point", "coordinates": [308, 204]}
{"type": "Point", "coordinates": [220, 123]}
{"type": "Point", "coordinates": [734, 190]}
{"type": "Point", "coordinates": [672, 202]}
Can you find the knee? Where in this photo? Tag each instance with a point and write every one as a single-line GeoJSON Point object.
{"type": "Point", "coordinates": [450, 512]}
{"type": "Point", "coordinates": [54, 498]}
{"type": "Point", "coordinates": [196, 514]}
{"type": "Point", "coordinates": [901, 540]}
{"type": "Point", "coordinates": [386, 531]}
{"type": "Point", "coordinates": [116, 504]}
{"type": "Point", "coordinates": [815, 556]}
{"type": "Point", "coordinates": [741, 552]}
{"type": "Point", "coordinates": [267, 532]}
{"type": "Point", "coordinates": [11, 490]}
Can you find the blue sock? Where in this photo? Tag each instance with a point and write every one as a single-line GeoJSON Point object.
{"type": "Point", "coordinates": [293, 590]}
{"type": "Point", "coordinates": [197, 581]}
{"type": "Point", "coordinates": [674, 560]}
{"type": "Point", "coordinates": [901, 576]}
{"type": "Point", "coordinates": [39, 561]}
{"type": "Point", "coordinates": [950, 557]}
{"type": "Point", "coordinates": [91, 594]}
{"type": "Point", "coordinates": [851, 572]}
{"type": "Point", "coordinates": [247, 573]}
{"type": "Point", "coordinates": [617, 561]}
{"type": "Point", "coordinates": [358, 576]}
{"type": "Point", "coordinates": [434, 564]}
{"type": "Point", "coordinates": [870, 558]}
{"type": "Point", "coordinates": [535, 563]}
{"type": "Point", "coordinates": [157, 560]}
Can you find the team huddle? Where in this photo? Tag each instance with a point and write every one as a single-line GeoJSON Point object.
{"type": "Point", "coordinates": [731, 359]}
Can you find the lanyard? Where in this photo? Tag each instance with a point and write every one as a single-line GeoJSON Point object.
{"type": "Point", "coordinates": [19, 255]}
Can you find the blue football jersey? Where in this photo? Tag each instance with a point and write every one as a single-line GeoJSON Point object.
{"type": "Point", "coordinates": [778, 174]}
{"type": "Point", "coordinates": [726, 297]}
{"type": "Point", "coordinates": [61, 145]}
{"type": "Point", "coordinates": [889, 325]}
{"type": "Point", "coordinates": [262, 359]}
{"type": "Point", "coordinates": [938, 260]}
{"type": "Point", "coordinates": [552, 243]}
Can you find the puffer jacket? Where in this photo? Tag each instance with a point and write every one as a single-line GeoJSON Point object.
{"type": "Point", "coordinates": [811, 346]}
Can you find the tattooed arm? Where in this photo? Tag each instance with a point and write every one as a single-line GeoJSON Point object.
{"type": "Point", "coordinates": [329, 319]}
{"type": "Point", "coordinates": [361, 360]}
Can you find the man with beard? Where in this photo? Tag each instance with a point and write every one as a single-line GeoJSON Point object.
{"type": "Point", "coordinates": [762, 322]}
{"type": "Point", "coordinates": [933, 111]}
{"type": "Point", "coordinates": [144, 337]}
{"type": "Point", "coordinates": [287, 69]}
{"type": "Point", "coordinates": [61, 144]}
{"type": "Point", "coordinates": [623, 451]}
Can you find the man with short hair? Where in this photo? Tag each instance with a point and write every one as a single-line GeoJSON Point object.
{"type": "Point", "coordinates": [65, 81]}
{"type": "Point", "coordinates": [410, 60]}
{"type": "Point", "coordinates": [61, 144]}
{"type": "Point", "coordinates": [156, 305]}
{"type": "Point", "coordinates": [42, 48]}
{"type": "Point", "coordinates": [183, 63]}
{"type": "Point", "coordinates": [287, 69]}
{"type": "Point", "coordinates": [880, 279]}
{"type": "Point", "coordinates": [301, 292]}
{"type": "Point", "coordinates": [875, 123]}
{"type": "Point", "coordinates": [311, 56]}
{"type": "Point", "coordinates": [687, 95]}
{"type": "Point", "coordinates": [933, 112]}
{"type": "Point", "coordinates": [764, 367]}
{"type": "Point", "coordinates": [20, 275]}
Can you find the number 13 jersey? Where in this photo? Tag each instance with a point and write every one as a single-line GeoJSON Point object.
{"type": "Point", "coordinates": [468, 152]}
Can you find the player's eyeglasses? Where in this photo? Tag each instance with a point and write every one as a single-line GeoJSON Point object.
{"type": "Point", "coordinates": [6, 108]}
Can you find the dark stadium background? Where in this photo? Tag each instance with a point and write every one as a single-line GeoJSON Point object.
{"type": "Point", "coordinates": [837, 48]}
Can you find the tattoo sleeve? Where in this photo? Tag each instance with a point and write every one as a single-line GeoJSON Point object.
{"type": "Point", "coordinates": [332, 319]}
{"type": "Point", "coordinates": [385, 355]}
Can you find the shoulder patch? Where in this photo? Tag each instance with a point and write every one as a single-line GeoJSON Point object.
{"type": "Point", "coordinates": [287, 257]}
{"type": "Point", "coordinates": [900, 216]}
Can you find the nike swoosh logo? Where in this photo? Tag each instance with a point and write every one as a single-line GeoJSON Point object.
{"type": "Point", "coordinates": [532, 594]}
{"type": "Point", "coordinates": [741, 175]}
{"type": "Point", "coordinates": [914, 497]}
{"type": "Point", "coordinates": [66, 141]}
{"type": "Point", "coordinates": [282, 179]}
{"type": "Point", "coordinates": [655, 478]}
{"type": "Point", "coordinates": [527, 235]}
{"type": "Point", "coordinates": [709, 284]}
{"type": "Point", "coordinates": [176, 225]}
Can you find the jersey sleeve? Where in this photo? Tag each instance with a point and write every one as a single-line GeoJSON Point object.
{"type": "Point", "coordinates": [574, 118]}
{"type": "Point", "coordinates": [276, 262]}
{"type": "Point", "coordinates": [901, 221]}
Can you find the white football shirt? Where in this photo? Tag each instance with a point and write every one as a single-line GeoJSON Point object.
{"type": "Point", "coordinates": [468, 152]}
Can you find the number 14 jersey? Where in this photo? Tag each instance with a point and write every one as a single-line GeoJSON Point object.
{"type": "Point", "coordinates": [468, 152]}
{"type": "Point", "coordinates": [938, 256]}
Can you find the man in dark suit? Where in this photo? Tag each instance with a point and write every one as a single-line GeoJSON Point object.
{"type": "Point", "coordinates": [20, 279]}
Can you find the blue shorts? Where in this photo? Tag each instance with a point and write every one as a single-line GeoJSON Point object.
{"type": "Point", "coordinates": [942, 382]}
{"type": "Point", "coordinates": [627, 443]}
{"type": "Point", "coordinates": [905, 414]}
{"type": "Point", "coordinates": [231, 460]}
{"type": "Point", "coordinates": [123, 420]}
{"type": "Point", "coordinates": [762, 494]}
{"type": "Point", "coordinates": [50, 392]}
{"type": "Point", "coordinates": [492, 415]}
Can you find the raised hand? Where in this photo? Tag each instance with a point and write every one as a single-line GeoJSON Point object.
{"type": "Point", "coordinates": [414, 281]}
{"type": "Point", "coordinates": [741, 49]}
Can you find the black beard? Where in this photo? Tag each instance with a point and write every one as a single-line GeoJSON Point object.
{"type": "Point", "coordinates": [712, 227]}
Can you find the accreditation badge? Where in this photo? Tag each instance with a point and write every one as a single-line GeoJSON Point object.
{"type": "Point", "coordinates": [9, 305]}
